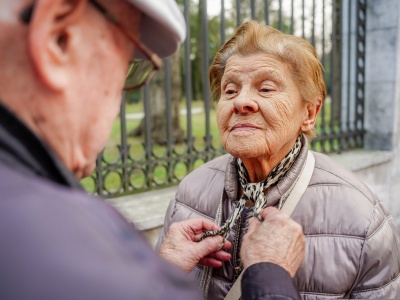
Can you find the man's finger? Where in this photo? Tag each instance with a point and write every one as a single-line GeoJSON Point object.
{"type": "Point", "coordinates": [269, 212]}
{"type": "Point", "coordinates": [254, 223]}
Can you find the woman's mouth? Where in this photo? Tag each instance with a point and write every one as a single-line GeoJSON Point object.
{"type": "Point", "coordinates": [244, 127]}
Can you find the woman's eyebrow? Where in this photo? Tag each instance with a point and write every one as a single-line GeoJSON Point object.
{"type": "Point", "coordinates": [262, 74]}
{"type": "Point", "coordinates": [272, 75]}
{"type": "Point", "coordinates": [230, 76]}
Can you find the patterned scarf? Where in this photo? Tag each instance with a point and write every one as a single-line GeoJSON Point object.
{"type": "Point", "coordinates": [255, 191]}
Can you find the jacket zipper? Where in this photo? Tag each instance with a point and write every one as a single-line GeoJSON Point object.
{"type": "Point", "coordinates": [237, 265]}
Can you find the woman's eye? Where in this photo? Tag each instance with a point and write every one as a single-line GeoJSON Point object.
{"type": "Point", "coordinates": [230, 89]}
{"type": "Point", "coordinates": [265, 90]}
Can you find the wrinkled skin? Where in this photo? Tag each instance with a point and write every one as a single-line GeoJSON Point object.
{"type": "Point", "coordinates": [182, 248]}
{"type": "Point", "coordinates": [278, 239]}
{"type": "Point", "coordinates": [260, 112]}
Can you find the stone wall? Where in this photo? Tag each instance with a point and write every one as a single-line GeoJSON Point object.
{"type": "Point", "coordinates": [382, 102]}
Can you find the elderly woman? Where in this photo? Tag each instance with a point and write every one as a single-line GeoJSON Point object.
{"type": "Point", "coordinates": [270, 88]}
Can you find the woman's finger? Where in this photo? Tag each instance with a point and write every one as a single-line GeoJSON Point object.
{"type": "Point", "coordinates": [210, 262]}
{"type": "Point", "coordinates": [200, 225]}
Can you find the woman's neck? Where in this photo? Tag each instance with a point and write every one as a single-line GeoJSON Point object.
{"type": "Point", "coordinates": [259, 168]}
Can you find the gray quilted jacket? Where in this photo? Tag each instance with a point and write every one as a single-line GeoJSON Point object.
{"type": "Point", "coordinates": [353, 248]}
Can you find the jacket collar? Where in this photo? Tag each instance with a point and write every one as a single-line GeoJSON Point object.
{"type": "Point", "coordinates": [23, 151]}
{"type": "Point", "coordinates": [231, 184]}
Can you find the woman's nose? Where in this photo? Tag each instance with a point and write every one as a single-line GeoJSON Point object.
{"type": "Point", "coordinates": [243, 104]}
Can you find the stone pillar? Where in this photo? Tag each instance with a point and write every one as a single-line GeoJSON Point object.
{"type": "Point", "coordinates": [348, 79]}
{"type": "Point", "coordinates": [382, 53]}
{"type": "Point", "coordinates": [382, 96]}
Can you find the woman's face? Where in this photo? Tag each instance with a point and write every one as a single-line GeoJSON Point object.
{"type": "Point", "coordinates": [260, 113]}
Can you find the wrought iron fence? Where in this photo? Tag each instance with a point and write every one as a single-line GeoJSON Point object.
{"type": "Point", "coordinates": [168, 128]}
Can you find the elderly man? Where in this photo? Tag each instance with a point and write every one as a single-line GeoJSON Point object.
{"type": "Point", "coordinates": [63, 67]}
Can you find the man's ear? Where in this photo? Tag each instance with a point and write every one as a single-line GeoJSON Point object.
{"type": "Point", "coordinates": [49, 39]}
{"type": "Point", "coordinates": [311, 116]}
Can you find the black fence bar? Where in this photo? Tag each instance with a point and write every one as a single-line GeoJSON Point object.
{"type": "Point", "coordinates": [266, 12]}
{"type": "Point", "coordinates": [222, 22]}
{"type": "Point", "coordinates": [323, 112]}
{"type": "Point", "coordinates": [349, 63]}
{"type": "Point", "coordinates": [253, 9]}
{"type": "Point", "coordinates": [238, 19]}
{"type": "Point", "coordinates": [99, 178]}
{"type": "Point", "coordinates": [338, 56]}
{"type": "Point", "coordinates": [162, 164]}
{"type": "Point", "coordinates": [292, 17]}
{"type": "Point", "coordinates": [188, 90]}
{"type": "Point", "coordinates": [340, 9]}
{"type": "Point", "coordinates": [170, 137]}
{"type": "Point", "coordinates": [206, 88]}
{"type": "Point", "coordinates": [147, 138]}
{"type": "Point", "coordinates": [333, 67]}
{"type": "Point", "coordinates": [303, 19]}
{"type": "Point", "coordinates": [280, 21]}
{"type": "Point", "coordinates": [313, 24]}
{"type": "Point", "coordinates": [124, 149]}
{"type": "Point", "coordinates": [360, 70]}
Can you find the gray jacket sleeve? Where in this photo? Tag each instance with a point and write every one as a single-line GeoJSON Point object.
{"type": "Point", "coordinates": [379, 265]}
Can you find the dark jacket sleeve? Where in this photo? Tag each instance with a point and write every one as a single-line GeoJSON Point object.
{"type": "Point", "coordinates": [60, 244]}
{"type": "Point", "coordinates": [267, 281]}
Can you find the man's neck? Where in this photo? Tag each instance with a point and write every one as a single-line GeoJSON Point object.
{"type": "Point", "coordinates": [22, 150]}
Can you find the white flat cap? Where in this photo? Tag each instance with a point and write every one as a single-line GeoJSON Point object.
{"type": "Point", "coordinates": [162, 27]}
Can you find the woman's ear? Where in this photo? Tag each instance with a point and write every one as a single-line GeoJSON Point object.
{"type": "Point", "coordinates": [311, 114]}
{"type": "Point", "coordinates": [50, 38]}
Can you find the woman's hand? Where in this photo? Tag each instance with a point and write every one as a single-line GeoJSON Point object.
{"type": "Point", "coordinates": [278, 239]}
{"type": "Point", "coordinates": [182, 248]}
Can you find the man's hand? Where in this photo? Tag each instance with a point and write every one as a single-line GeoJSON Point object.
{"type": "Point", "coordinates": [181, 246]}
{"type": "Point", "coordinates": [278, 239]}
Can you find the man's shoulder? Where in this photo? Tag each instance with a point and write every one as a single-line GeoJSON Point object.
{"type": "Point", "coordinates": [43, 203]}
{"type": "Point", "coordinates": [20, 190]}
{"type": "Point", "coordinates": [15, 184]}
